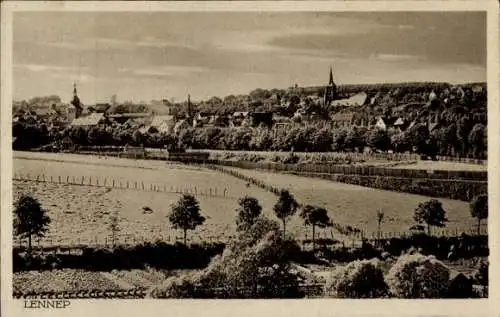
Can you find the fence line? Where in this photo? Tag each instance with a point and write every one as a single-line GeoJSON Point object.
{"type": "Point", "coordinates": [199, 156]}
{"type": "Point", "coordinates": [108, 182]}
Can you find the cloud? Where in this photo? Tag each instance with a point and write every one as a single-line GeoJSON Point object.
{"type": "Point", "coordinates": [164, 71]}
{"type": "Point", "coordinates": [397, 57]}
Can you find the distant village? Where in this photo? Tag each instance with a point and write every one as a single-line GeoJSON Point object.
{"type": "Point", "coordinates": [393, 108]}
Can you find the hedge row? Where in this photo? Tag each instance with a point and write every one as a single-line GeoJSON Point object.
{"type": "Point", "coordinates": [451, 248]}
{"type": "Point", "coordinates": [352, 170]}
{"type": "Point", "coordinates": [159, 255]}
{"type": "Point", "coordinates": [458, 189]}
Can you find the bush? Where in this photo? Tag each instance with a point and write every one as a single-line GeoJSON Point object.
{"type": "Point", "coordinates": [418, 276]}
{"type": "Point", "coordinates": [358, 279]}
{"type": "Point", "coordinates": [157, 255]}
{"type": "Point", "coordinates": [174, 287]}
{"type": "Point", "coordinates": [255, 265]}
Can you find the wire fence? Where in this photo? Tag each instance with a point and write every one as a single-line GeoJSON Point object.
{"type": "Point", "coordinates": [108, 182]}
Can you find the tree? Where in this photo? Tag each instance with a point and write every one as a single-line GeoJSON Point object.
{"type": "Point", "coordinates": [185, 214]}
{"type": "Point", "coordinates": [30, 219]}
{"type": "Point", "coordinates": [316, 217]}
{"type": "Point", "coordinates": [380, 218]}
{"type": "Point", "coordinates": [248, 211]}
{"type": "Point", "coordinates": [254, 265]}
{"type": "Point", "coordinates": [378, 139]}
{"type": "Point", "coordinates": [479, 209]}
{"type": "Point", "coordinates": [477, 139]}
{"type": "Point", "coordinates": [418, 276]}
{"type": "Point", "coordinates": [285, 208]}
{"type": "Point", "coordinates": [358, 279]}
{"type": "Point", "coordinates": [431, 213]}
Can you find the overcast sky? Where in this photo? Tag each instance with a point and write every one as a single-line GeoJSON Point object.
{"type": "Point", "coordinates": [143, 56]}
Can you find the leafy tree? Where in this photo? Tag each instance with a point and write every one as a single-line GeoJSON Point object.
{"type": "Point", "coordinates": [254, 265]}
{"type": "Point", "coordinates": [380, 219]}
{"type": "Point", "coordinates": [430, 213]}
{"type": "Point", "coordinates": [30, 219]}
{"type": "Point", "coordinates": [358, 279]}
{"type": "Point", "coordinates": [477, 139]}
{"type": "Point", "coordinates": [480, 274]}
{"type": "Point", "coordinates": [78, 135]}
{"type": "Point", "coordinates": [419, 134]}
{"type": "Point", "coordinates": [463, 129]}
{"type": "Point", "coordinates": [285, 208]}
{"type": "Point", "coordinates": [185, 214]}
{"type": "Point", "coordinates": [378, 139]}
{"type": "Point", "coordinates": [418, 276]}
{"type": "Point", "coordinates": [316, 217]}
{"type": "Point", "coordinates": [479, 209]}
{"type": "Point", "coordinates": [248, 211]}
{"type": "Point", "coordinates": [322, 140]}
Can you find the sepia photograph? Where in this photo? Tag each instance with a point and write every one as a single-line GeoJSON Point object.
{"type": "Point", "coordinates": [248, 155]}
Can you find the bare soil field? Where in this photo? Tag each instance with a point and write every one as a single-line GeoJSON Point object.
{"type": "Point", "coordinates": [357, 206]}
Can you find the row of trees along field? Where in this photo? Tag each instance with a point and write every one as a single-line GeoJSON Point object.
{"type": "Point", "coordinates": [464, 138]}
{"type": "Point", "coordinates": [30, 219]}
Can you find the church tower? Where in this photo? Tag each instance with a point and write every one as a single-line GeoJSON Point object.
{"type": "Point", "coordinates": [330, 91]}
{"type": "Point", "coordinates": [76, 102]}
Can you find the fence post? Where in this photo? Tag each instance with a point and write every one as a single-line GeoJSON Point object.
{"type": "Point", "coordinates": [51, 178]}
{"type": "Point", "coordinates": [67, 179]}
{"type": "Point", "coordinates": [113, 182]}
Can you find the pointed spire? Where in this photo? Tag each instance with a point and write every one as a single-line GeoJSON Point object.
{"type": "Point", "coordinates": [74, 89]}
{"type": "Point", "coordinates": [330, 82]}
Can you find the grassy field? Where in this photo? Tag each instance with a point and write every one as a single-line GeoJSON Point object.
{"type": "Point", "coordinates": [357, 206]}
{"type": "Point", "coordinates": [443, 166]}
{"type": "Point", "coordinates": [82, 213]}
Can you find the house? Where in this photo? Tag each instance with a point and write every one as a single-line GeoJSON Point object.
{"type": "Point", "coordinates": [380, 124]}
{"type": "Point", "coordinates": [90, 120]}
{"type": "Point", "coordinates": [124, 117]}
{"type": "Point", "coordinates": [354, 101]}
{"type": "Point", "coordinates": [265, 118]}
{"type": "Point", "coordinates": [342, 119]}
{"type": "Point", "coordinates": [164, 124]}
{"type": "Point", "coordinates": [181, 125]}
{"type": "Point", "coordinates": [102, 107]}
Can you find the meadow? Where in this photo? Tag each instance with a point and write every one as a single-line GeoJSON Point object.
{"type": "Point", "coordinates": [357, 206]}
{"type": "Point", "coordinates": [81, 214]}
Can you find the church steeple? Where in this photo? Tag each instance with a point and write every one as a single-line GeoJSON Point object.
{"type": "Point", "coordinates": [76, 101]}
{"type": "Point", "coordinates": [74, 90]}
{"type": "Point", "coordinates": [330, 91]}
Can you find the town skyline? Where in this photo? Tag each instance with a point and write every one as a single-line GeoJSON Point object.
{"type": "Point", "coordinates": [142, 57]}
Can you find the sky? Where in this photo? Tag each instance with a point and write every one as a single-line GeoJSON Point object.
{"type": "Point", "coordinates": [144, 56]}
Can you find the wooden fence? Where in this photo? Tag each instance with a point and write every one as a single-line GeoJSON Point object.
{"type": "Point", "coordinates": [325, 168]}
{"type": "Point", "coordinates": [123, 184]}
{"type": "Point", "coordinates": [353, 170]}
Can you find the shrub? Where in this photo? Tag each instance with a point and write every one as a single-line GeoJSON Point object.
{"type": "Point", "coordinates": [358, 279]}
{"type": "Point", "coordinates": [480, 275]}
{"type": "Point", "coordinates": [174, 287]}
{"type": "Point", "coordinates": [418, 276]}
{"type": "Point", "coordinates": [255, 265]}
